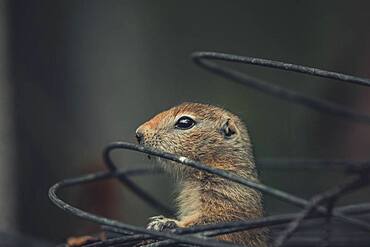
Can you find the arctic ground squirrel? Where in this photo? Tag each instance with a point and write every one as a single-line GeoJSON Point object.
{"type": "Point", "coordinates": [216, 138]}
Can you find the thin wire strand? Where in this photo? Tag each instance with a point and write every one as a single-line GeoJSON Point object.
{"type": "Point", "coordinates": [146, 197]}
{"type": "Point", "coordinates": [203, 60]}
{"type": "Point", "coordinates": [331, 194]}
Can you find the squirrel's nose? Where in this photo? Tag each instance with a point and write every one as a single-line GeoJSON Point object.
{"type": "Point", "coordinates": [139, 136]}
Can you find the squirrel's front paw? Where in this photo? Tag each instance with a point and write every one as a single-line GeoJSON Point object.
{"type": "Point", "coordinates": [161, 223]}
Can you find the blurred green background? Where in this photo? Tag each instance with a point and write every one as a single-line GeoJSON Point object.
{"type": "Point", "coordinates": [76, 75]}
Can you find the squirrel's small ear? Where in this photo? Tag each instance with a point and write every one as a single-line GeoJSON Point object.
{"type": "Point", "coordinates": [228, 129]}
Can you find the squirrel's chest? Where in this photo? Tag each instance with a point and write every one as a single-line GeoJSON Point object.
{"type": "Point", "coordinates": [189, 200]}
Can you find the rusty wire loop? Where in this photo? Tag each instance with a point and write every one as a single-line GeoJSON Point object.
{"type": "Point", "coordinates": [114, 223]}
{"type": "Point", "coordinates": [312, 210]}
{"type": "Point", "coordinates": [295, 200]}
{"type": "Point", "coordinates": [212, 229]}
{"type": "Point", "coordinates": [204, 59]}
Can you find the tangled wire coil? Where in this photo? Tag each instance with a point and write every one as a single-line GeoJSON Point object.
{"type": "Point", "coordinates": [322, 205]}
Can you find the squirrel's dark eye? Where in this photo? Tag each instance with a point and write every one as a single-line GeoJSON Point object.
{"type": "Point", "coordinates": [184, 123]}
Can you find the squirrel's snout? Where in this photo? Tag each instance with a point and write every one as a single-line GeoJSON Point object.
{"type": "Point", "coordinates": [139, 136]}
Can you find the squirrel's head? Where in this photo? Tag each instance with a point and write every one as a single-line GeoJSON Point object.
{"type": "Point", "coordinates": [201, 132]}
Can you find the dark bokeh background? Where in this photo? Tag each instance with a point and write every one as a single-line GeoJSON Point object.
{"type": "Point", "coordinates": [76, 75]}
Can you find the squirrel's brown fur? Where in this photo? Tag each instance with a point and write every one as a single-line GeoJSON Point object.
{"type": "Point", "coordinates": [206, 198]}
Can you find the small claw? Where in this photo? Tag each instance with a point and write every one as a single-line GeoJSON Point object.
{"type": "Point", "coordinates": [161, 223]}
{"type": "Point", "coordinates": [158, 217]}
